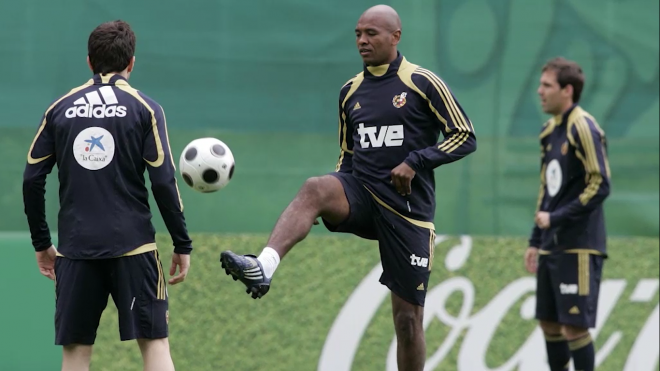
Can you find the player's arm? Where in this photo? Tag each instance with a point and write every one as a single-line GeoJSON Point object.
{"type": "Point", "coordinates": [459, 139]}
{"type": "Point", "coordinates": [162, 174]}
{"type": "Point", "coordinates": [535, 238]}
{"type": "Point", "coordinates": [590, 148]}
{"type": "Point", "coordinates": [40, 162]}
{"type": "Point", "coordinates": [345, 162]}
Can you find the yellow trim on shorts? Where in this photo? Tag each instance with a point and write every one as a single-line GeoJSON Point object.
{"type": "Point", "coordinates": [584, 251]}
{"type": "Point", "coordinates": [140, 250]}
{"type": "Point", "coordinates": [573, 251]}
{"type": "Point", "coordinates": [431, 248]}
{"type": "Point", "coordinates": [160, 290]}
{"type": "Point", "coordinates": [584, 263]}
{"type": "Point", "coordinates": [583, 273]}
{"type": "Point", "coordinates": [419, 223]}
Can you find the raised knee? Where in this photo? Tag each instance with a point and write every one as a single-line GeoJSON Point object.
{"type": "Point", "coordinates": [312, 185]}
{"type": "Point", "coordinates": [315, 187]}
{"type": "Point", "coordinates": [407, 325]}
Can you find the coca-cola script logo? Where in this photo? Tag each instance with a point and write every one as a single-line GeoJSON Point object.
{"type": "Point", "coordinates": [346, 333]}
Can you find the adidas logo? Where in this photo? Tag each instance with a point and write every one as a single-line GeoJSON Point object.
{"type": "Point", "coordinates": [94, 107]}
{"type": "Point", "coordinates": [357, 106]}
{"type": "Point", "coordinates": [420, 287]}
{"type": "Point", "coordinates": [574, 310]}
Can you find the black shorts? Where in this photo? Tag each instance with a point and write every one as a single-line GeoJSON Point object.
{"type": "Point", "coordinates": [406, 249]}
{"type": "Point", "coordinates": [567, 288]}
{"type": "Point", "coordinates": [138, 288]}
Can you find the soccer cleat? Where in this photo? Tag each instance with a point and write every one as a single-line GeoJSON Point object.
{"type": "Point", "coordinates": [248, 270]}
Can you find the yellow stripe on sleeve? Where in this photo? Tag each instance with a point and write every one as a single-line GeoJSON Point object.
{"type": "Point", "coordinates": [450, 104]}
{"type": "Point", "coordinates": [30, 159]}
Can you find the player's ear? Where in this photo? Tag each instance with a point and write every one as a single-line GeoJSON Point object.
{"type": "Point", "coordinates": [568, 91]}
{"type": "Point", "coordinates": [131, 65]}
{"type": "Point", "coordinates": [89, 63]}
{"type": "Point", "coordinates": [396, 36]}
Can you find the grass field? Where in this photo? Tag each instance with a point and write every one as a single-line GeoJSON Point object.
{"type": "Point", "coordinates": [216, 326]}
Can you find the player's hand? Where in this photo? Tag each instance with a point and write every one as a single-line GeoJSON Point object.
{"type": "Point", "coordinates": [402, 177]}
{"type": "Point", "coordinates": [46, 262]}
{"type": "Point", "coordinates": [531, 259]}
{"type": "Point", "coordinates": [542, 219]}
{"type": "Point", "coordinates": [183, 262]}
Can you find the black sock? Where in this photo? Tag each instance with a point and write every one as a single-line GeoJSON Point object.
{"type": "Point", "coordinates": [559, 355]}
{"type": "Point", "coordinates": [583, 352]}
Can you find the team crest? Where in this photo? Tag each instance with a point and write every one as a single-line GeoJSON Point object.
{"type": "Point", "coordinates": [399, 100]}
{"type": "Point", "coordinates": [564, 148]}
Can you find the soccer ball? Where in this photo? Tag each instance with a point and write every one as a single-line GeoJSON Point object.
{"type": "Point", "coordinates": [206, 165]}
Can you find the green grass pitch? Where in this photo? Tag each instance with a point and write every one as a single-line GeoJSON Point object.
{"type": "Point", "coordinates": [215, 325]}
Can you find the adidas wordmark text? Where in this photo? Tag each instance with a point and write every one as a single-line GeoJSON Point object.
{"type": "Point", "coordinates": [95, 107]}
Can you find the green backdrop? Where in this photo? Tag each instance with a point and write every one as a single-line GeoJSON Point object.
{"type": "Point", "coordinates": [265, 77]}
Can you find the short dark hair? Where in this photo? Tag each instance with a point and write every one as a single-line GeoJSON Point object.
{"type": "Point", "coordinates": [111, 46]}
{"type": "Point", "coordinates": [568, 73]}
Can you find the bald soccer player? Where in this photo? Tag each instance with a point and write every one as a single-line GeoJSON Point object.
{"type": "Point", "coordinates": [390, 118]}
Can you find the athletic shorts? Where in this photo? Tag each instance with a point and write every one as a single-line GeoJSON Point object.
{"type": "Point", "coordinates": [567, 288]}
{"type": "Point", "coordinates": [137, 286]}
{"type": "Point", "coordinates": [406, 249]}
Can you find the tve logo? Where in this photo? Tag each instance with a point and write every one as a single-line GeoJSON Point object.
{"type": "Point", "coordinates": [568, 289]}
{"type": "Point", "coordinates": [390, 136]}
{"type": "Point", "coordinates": [419, 261]}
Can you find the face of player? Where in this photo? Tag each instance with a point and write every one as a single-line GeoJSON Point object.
{"type": "Point", "coordinates": [376, 44]}
{"type": "Point", "coordinates": [554, 99]}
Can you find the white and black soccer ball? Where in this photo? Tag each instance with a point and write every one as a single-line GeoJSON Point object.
{"type": "Point", "coordinates": [206, 165]}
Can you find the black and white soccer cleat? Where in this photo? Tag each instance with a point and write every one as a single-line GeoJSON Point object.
{"type": "Point", "coordinates": [248, 270]}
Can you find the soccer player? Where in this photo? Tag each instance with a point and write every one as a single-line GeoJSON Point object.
{"type": "Point", "coordinates": [567, 244]}
{"type": "Point", "coordinates": [390, 118]}
{"type": "Point", "coordinates": [102, 135]}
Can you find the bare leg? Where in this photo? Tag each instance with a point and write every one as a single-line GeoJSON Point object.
{"type": "Point", "coordinates": [76, 357]}
{"type": "Point", "coordinates": [409, 327]}
{"type": "Point", "coordinates": [550, 328]}
{"type": "Point", "coordinates": [156, 354]}
{"type": "Point", "coordinates": [320, 196]}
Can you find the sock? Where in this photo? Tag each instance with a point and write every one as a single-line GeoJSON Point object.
{"type": "Point", "coordinates": [559, 354]}
{"type": "Point", "coordinates": [583, 352]}
{"type": "Point", "coordinates": [269, 259]}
